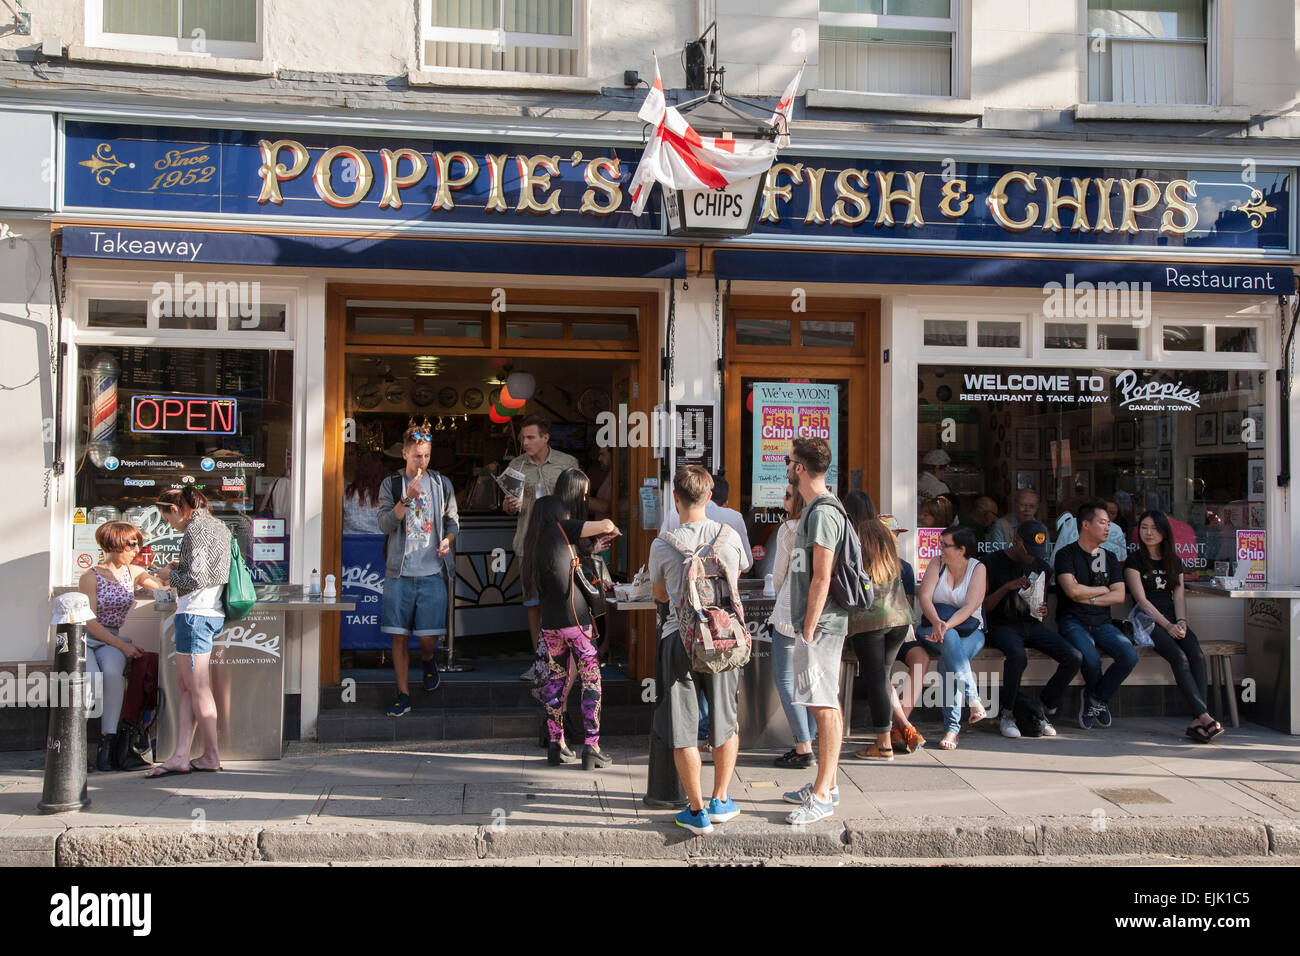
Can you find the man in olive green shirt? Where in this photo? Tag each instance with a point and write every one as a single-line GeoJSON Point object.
{"type": "Point", "coordinates": [541, 466]}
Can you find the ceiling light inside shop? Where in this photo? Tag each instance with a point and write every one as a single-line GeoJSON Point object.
{"type": "Point", "coordinates": [425, 365]}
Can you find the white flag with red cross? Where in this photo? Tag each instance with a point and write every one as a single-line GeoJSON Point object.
{"type": "Point", "coordinates": [677, 157]}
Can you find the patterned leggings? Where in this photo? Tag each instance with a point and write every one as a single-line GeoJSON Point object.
{"type": "Point", "coordinates": [554, 650]}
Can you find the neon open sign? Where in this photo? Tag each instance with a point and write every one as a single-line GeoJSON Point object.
{"type": "Point", "coordinates": [183, 415]}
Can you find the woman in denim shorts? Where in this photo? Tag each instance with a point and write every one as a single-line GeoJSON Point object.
{"type": "Point", "coordinates": [199, 577]}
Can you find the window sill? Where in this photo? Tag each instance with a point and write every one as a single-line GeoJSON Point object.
{"type": "Point", "coordinates": [491, 79]}
{"type": "Point", "coordinates": [1177, 114]}
{"type": "Point", "coordinates": [175, 61]}
{"type": "Point", "coordinates": [893, 102]}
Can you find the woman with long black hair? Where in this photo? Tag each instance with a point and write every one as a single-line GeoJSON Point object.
{"type": "Point", "coordinates": [1154, 576]}
{"type": "Point", "coordinates": [549, 565]}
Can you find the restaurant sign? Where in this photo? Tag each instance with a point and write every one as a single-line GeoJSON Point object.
{"type": "Point", "coordinates": [276, 175]}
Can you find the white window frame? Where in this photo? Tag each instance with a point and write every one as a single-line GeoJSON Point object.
{"type": "Point", "coordinates": [885, 21]}
{"type": "Point", "coordinates": [577, 41]}
{"type": "Point", "coordinates": [178, 45]}
{"type": "Point", "coordinates": [1212, 30]}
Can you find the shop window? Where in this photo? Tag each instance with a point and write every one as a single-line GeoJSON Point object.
{"type": "Point", "coordinates": [217, 419]}
{"type": "Point", "coordinates": [515, 36]}
{"type": "Point", "coordinates": [453, 328]}
{"type": "Point", "coordinates": [1046, 439]}
{"type": "Point", "coordinates": [117, 314]}
{"type": "Point", "coordinates": [1148, 52]}
{"type": "Point", "coordinates": [1065, 335]}
{"type": "Point", "coordinates": [1120, 338]}
{"type": "Point", "coordinates": [384, 325]}
{"type": "Point", "coordinates": [763, 332]}
{"type": "Point", "coordinates": [205, 322]}
{"type": "Point", "coordinates": [827, 335]}
{"type": "Point", "coordinates": [887, 46]}
{"type": "Point", "coordinates": [1184, 338]}
{"type": "Point", "coordinates": [998, 335]}
{"type": "Point", "coordinates": [946, 333]}
{"type": "Point", "coordinates": [607, 331]}
{"type": "Point", "coordinates": [534, 329]}
{"type": "Point", "coordinates": [230, 28]}
{"type": "Point", "coordinates": [1229, 339]}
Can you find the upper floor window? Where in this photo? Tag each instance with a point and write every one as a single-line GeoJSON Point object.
{"type": "Point", "coordinates": [228, 28]}
{"type": "Point", "coordinates": [511, 36]}
{"type": "Point", "coordinates": [887, 46]}
{"type": "Point", "coordinates": [1148, 52]}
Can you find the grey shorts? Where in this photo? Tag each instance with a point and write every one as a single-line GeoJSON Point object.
{"type": "Point", "coordinates": [817, 670]}
{"type": "Point", "coordinates": [677, 717]}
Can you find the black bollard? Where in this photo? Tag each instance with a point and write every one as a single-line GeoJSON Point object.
{"type": "Point", "coordinates": [663, 787]}
{"type": "Point", "coordinates": [65, 743]}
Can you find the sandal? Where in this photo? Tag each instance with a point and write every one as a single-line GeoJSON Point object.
{"type": "Point", "coordinates": [875, 753]}
{"type": "Point", "coordinates": [1199, 733]}
{"type": "Point", "coordinates": [896, 737]}
{"type": "Point", "coordinates": [1214, 730]}
{"type": "Point", "coordinates": [912, 739]}
{"type": "Point", "coordinates": [949, 741]}
{"type": "Point", "coordinates": [977, 712]}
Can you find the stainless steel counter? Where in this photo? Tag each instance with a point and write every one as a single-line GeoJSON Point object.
{"type": "Point", "coordinates": [1267, 589]}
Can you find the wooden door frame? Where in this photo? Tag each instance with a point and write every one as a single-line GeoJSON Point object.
{"type": "Point", "coordinates": [645, 391]}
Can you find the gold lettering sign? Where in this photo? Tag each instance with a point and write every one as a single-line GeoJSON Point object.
{"type": "Point", "coordinates": [274, 172]}
{"type": "Point", "coordinates": [998, 201]}
{"type": "Point", "coordinates": [954, 192]}
{"type": "Point", "coordinates": [1176, 194]}
{"type": "Point", "coordinates": [323, 178]}
{"type": "Point", "coordinates": [1104, 223]}
{"type": "Point", "coordinates": [1054, 201]}
{"type": "Point", "coordinates": [442, 167]}
{"type": "Point", "coordinates": [772, 192]}
{"type": "Point", "coordinates": [530, 179]}
{"type": "Point", "coordinates": [889, 195]}
{"type": "Point", "coordinates": [607, 185]}
{"type": "Point", "coordinates": [393, 183]}
{"type": "Point", "coordinates": [814, 217]}
{"type": "Point", "coordinates": [497, 183]}
{"type": "Point", "coordinates": [1128, 188]}
{"type": "Point", "coordinates": [850, 197]}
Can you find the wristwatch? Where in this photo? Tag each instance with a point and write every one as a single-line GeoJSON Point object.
{"type": "Point", "coordinates": [1092, 601]}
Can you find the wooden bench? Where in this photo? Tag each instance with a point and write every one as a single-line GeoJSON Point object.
{"type": "Point", "coordinates": [1218, 659]}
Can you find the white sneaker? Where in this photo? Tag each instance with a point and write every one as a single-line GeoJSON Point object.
{"type": "Point", "coordinates": [1047, 729]}
{"type": "Point", "coordinates": [810, 811]}
{"type": "Point", "coordinates": [1007, 724]}
{"type": "Point", "coordinates": [803, 793]}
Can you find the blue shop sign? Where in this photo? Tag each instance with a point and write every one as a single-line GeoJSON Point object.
{"type": "Point", "coordinates": [543, 186]}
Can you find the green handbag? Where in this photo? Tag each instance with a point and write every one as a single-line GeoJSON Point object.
{"type": "Point", "coordinates": [240, 596]}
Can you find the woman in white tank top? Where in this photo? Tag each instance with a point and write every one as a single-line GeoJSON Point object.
{"type": "Point", "coordinates": [784, 635]}
{"type": "Point", "coordinates": [952, 593]}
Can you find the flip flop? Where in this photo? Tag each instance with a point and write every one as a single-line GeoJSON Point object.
{"type": "Point", "coordinates": [1214, 730]}
{"type": "Point", "coordinates": [1198, 733]}
{"type": "Point", "coordinates": [197, 769]}
{"type": "Point", "coordinates": [166, 773]}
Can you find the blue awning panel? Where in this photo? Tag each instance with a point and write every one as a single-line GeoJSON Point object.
{"type": "Point", "coordinates": [373, 252]}
{"type": "Point", "coordinates": [894, 269]}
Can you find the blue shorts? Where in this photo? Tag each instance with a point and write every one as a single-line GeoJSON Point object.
{"type": "Point", "coordinates": [416, 606]}
{"type": "Point", "coordinates": [195, 633]}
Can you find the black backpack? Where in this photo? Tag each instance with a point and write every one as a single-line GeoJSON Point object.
{"type": "Point", "coordinates": [851, 586]}
{"type": "Point", "coordinates": [1029, 716]}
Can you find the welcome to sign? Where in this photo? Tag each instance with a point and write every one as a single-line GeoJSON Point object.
{"type": "Point", "coordinates": [544, 186]}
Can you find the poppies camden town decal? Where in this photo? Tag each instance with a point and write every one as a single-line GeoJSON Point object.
{"type": "Point", "coordinates": [259, 173]}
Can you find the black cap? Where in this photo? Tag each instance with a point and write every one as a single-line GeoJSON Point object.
{"type": "Point", "coordinates": [1033, 535]}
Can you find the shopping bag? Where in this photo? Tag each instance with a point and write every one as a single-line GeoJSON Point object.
{"type": "Point", "coordinates": [240, 596]}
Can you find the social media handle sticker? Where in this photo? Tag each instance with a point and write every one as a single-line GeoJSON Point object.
{"type": "Point", "coordinates": [207, 464]}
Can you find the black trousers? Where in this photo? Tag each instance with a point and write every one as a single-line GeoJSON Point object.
{"type": "Point", "coordinates": [1012, 639]}
{"type": "Point", "coordinates": [1187, 662]}
{"type": "Point", "coordinates": [876, 651]}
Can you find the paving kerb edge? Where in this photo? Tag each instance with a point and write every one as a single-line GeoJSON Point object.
{"type": "Point", "coordinates": [1284, 838]}
{"type": "Point", "coordinates": [156, 845]}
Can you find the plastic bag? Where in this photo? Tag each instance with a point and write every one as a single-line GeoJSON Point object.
{"type": "Point", "coordinates": [1036, 594]}
{"type": "Point", "coordinates": [1143, 624]}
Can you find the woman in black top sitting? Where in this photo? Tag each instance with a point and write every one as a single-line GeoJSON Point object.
{"type": "Point", "coordinates": [550, 552]}
{"type": "Point", "coordinates": [1154, 575]}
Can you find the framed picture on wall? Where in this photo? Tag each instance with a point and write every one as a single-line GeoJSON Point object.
{"type": "Point", "coordinates": [1232, 427]}
{"type": "Point", "coordinates": [1027, 443]}
{"type": "Point", "coordinates": [1150, 432]}
{"type": "Point", "coordinates": [1082, 483]}
{"type": "Point", "coordinates": [1255, 479]}
{"type": "Point", "coordinates": [1027, 479]}
{"type": "Point", "coordinates": [1207, 429]}
{"type": "Point", "coordinates": [1256, 414]}
{"type": "Point", "coordinates": [1166, 431]}
{"type": "Point", "coordinates": [1085, 438]}
{"type": "Point", "coordinates": [1104, 436]}
{"type": "Point", "coordinates": [1124, 436]}
{"type": "Point", "coordinates": [1166, 465]}
{"type": "Point", "coordinates": [1165, 491]}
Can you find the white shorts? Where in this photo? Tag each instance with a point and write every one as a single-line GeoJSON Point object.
{"type": "Point", "coordinates": [817, 670]}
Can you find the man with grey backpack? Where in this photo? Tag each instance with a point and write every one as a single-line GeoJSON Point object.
{"type": "Point", "coordinates": [826, 583]}
{"type": "Point", "coordinates": [703, 644]}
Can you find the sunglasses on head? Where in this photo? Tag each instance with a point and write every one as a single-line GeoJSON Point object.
{"type": "Point", "coordinates": [422, 436]}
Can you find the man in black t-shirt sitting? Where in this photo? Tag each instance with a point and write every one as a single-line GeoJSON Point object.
{"type": "Point", "coordinates": [1089, 583]}
{"type": "Point", "coordinates": [1014, 626]}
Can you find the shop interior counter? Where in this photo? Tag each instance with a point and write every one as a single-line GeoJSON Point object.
{"type": "Point", "coordinates": [1271, 611]}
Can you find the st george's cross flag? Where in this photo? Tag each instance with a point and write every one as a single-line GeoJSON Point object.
{"type": "Point", "coordinates": [677, 157]}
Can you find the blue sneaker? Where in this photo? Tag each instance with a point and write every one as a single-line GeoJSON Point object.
{"type": "Point", "coordinates": [431, 676]}
{"type": "Point", "coordinates": [720, 811]}
{"type": "Point", "coordinates": [401, 706]}
{"type": "Point", "coordinates": [697, 821]}
{"type": "Point", "coordinates": [1088, 711]}
{"type": "Point", "coordinates": [1101, 714]}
